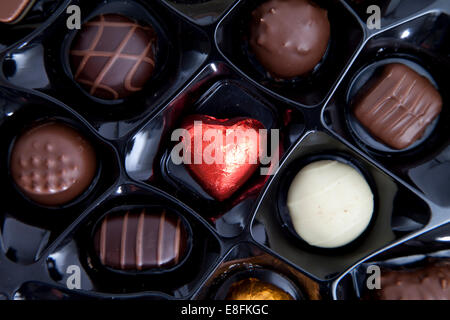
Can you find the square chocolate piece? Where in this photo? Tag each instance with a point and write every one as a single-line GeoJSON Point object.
{"type": "Point", "coordinates": [11, 11]}
{"type": "Point", "coordinates": [398, 108]}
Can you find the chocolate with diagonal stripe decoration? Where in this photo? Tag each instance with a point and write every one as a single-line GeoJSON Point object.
{"type": "Point", "coordinates": [12, 11]}
{"type": "Point", "coordinates": [398, 108]}
{"type": "Point", "coordinates": [113, 56]}
{"type": "Point", "coordinates": [141, 240]}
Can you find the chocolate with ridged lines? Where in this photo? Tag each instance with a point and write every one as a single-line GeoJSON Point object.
{"type": "Point", "coordinates": [429, 283]}
{"type": "Point", "coordinates": [398, 108]}
{"type": "Point", "coordinates": [141, 239]}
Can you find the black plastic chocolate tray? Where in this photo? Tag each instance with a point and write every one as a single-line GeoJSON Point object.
{"type": "Point", "coordinates": [205, 67]}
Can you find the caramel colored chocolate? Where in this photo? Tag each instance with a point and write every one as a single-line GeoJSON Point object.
{"type": "Point", "coordinates": [255, 289]}
{"type": "Point", "coordinates": [11, 11]}
{"type": "Point", "coordinates": [429, 283]}
{"type": "Point", "coordinates": [113, 56]}
{"type": "Point", "coordinates": [141, 240]}
{"type": "Point", "coordinates": [399, 107]}
{"type": "Point", "coordinates": [52, 164]}
{"type": "Point", "coordinates": [289, 37]}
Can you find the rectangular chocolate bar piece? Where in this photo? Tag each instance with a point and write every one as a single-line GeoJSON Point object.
{"type": "Point", "coordinates": [11, 11]}
{"type": "Point", "coordinates": [398, 108]}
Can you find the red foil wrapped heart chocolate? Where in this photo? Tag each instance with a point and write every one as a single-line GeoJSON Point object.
{"type": "Point", "coordinates": [222, 154]}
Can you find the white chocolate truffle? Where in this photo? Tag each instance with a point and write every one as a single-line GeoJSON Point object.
{"type": "Point", "coordinates": [330, 204]}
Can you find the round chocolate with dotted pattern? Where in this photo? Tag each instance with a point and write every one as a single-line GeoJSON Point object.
{"type": "Point", "coordinates": [52, 163]}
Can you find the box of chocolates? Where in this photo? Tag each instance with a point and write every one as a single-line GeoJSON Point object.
{"type": "Point", "coordinates": [224, 150]}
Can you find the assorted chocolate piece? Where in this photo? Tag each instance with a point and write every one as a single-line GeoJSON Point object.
{"type": "Point", "coordinates": [289, 37]}
{"type": "Point", "coordinates": [399, 107]}
{"type": "Point", "coordinates": [113, 56]}
{"type": "Point", "coordinates": [12, 11]}
{"type": "Point", "coordinates": [263, 268]}
{"type": "Point", "coordinates": [252, 282]}
{"type": "Point", "coordinates": [431, 282]}
{"type": "Point", "coordinates": [330, 204]}
{"type": "Point", "coordinates": [233, 161]}
{"type": "Point", "coordinates": [255, 289]}
{"type": "Point", "coordinates": [141, 240]}
{"type": "Point", "coordinates": [52, 163]}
